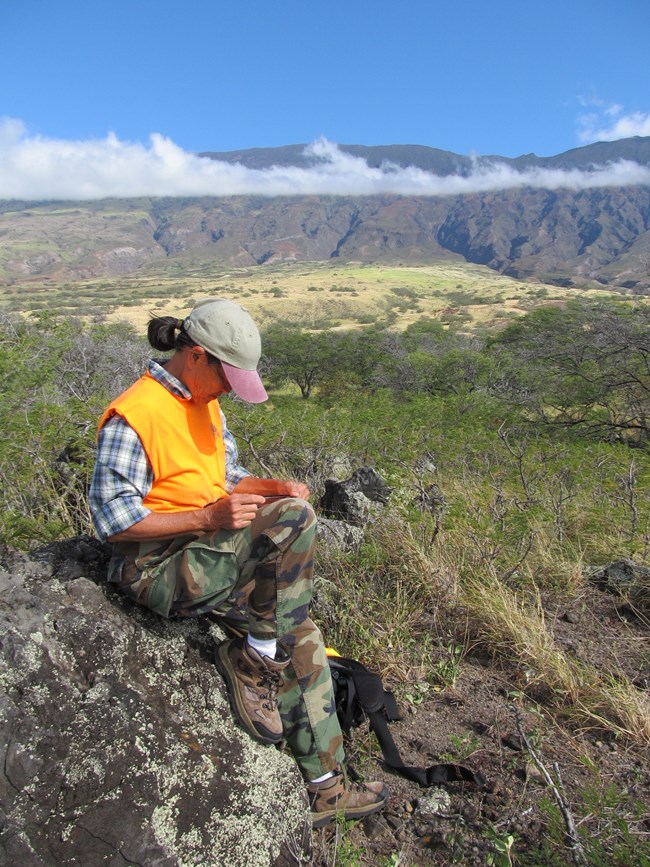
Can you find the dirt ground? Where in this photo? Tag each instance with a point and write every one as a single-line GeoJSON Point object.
{"type": "Point", "coordinates": [514, 819]}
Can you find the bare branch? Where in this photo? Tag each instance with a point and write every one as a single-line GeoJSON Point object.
{"type": "Point", "coordinates": [557, 787]}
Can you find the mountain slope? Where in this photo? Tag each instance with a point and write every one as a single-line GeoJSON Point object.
{"type": "Point", "coordinates": [573, 237]}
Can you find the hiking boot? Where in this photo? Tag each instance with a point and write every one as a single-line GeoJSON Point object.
{"type": "Point", "coordinates": [253, 682]}
{"type": "Point", "coordinates": [338, 797]}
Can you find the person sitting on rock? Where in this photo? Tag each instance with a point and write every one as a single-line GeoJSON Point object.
{"type": "Point", "coordinates": [194, 532]}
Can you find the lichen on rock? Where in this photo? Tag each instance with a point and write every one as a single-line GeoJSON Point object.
{"type": "Point", "coordinates": [119, 744]}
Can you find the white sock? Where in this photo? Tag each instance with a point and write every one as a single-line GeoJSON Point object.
{"type": "Point", "coordinates": [323, 778]}
{"type": "Point", "coordinates": [264, 648]}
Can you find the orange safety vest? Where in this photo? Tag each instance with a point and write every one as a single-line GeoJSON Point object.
{"type": "Point", "coordinates": [183, 441]}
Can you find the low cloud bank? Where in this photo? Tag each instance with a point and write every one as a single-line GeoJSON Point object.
{"type": "Point", "coordinates": [36, 168]}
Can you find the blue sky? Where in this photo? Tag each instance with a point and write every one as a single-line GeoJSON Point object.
{"type": "Point", "coordinates": [501, 78]}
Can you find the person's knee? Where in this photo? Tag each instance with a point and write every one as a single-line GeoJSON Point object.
{"type": "Point", "coordinates": [292, 528]}
{"type": "Point", "coordinates": [307, 515]}
{"type": "Point", "coordinates": [298, 514]}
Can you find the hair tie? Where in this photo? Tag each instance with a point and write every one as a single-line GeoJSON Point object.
{"type": "Point", "coordinates": [180, 324]}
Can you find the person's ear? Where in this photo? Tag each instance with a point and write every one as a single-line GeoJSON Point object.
{"type": "Point", "coordinates": [196, 353]}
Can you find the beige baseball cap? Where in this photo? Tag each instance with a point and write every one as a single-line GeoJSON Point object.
{"type": "Point", "coordinates": [227, 331]}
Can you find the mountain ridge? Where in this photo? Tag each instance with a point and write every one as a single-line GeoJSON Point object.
{"type": "Point", "coordinates": [442, 162]}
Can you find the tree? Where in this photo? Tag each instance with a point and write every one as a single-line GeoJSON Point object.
{"type": "Point", "coordinates": [56, 377]}
{"type": "Point", "coordinates": [587, 365]}
{"type": "Point", "coordinates": [292, 355]}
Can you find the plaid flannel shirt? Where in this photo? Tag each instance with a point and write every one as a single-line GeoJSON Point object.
{"type": "Point", "coordinates": [123, 476]}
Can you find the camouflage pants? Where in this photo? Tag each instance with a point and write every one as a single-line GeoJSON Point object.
{"type": "Point", "coordinates": [265, 572]}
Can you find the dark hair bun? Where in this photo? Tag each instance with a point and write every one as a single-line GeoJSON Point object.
{"type": "Point", "coordinates": [161, 332]}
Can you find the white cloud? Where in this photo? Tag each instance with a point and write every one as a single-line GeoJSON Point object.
{"type": "Point", "coordinates": [36, 168]}
{"type": "Point", "coordinates": [605, 122]}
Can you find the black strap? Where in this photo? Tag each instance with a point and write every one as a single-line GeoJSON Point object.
{"type": "Point", "coordinates": [432, 776]}
{"type": "Point", "coordinates": [344, 700]}
{"type": "Point", "coordinates": [380, 707]}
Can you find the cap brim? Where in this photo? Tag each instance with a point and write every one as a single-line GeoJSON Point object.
{"type": "Point", "coordinates": [245, 383]}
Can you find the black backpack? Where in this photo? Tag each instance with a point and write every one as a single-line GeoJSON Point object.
{"type": "Point", "coordinates": [360, 695]}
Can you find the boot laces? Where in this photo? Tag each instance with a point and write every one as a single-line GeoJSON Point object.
{"type": "Point", "coordinates": [352, 786]}
{"type": "Point", "coordinates": [270, 680]}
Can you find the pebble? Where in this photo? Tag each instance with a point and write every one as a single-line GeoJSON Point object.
{"type": "Point", "coordinates": [512, 741]}
{"type": "Point", "coordinates": [435, 801]}
{"type": "Point", "coordinates": [375, 825]}
{"type": "Point", "coordinates": [535, 775]}
{"type": "Point", "coordinates": [393, 821]}
{"type": "Point", "coordinates": [469, 813]}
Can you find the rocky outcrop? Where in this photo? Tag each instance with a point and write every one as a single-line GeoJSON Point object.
{"type": "Point", "coordinates": [118, 742]}
{"type": "Point", "coordinates": [626, 579]}
{"type": "Point", "coordinates": [338, 535]}
{"type": "Point", "coordinates": [351, 500]}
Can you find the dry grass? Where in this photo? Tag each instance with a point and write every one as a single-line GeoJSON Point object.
{"type": "Point", "coordinates": [378, 604]}
{"type": "Point", "coordinates": [313, 294]}
{"type": "Point", "coordinates": [399, 600]}
{"type": "Point", "coordinates": [514, 626]}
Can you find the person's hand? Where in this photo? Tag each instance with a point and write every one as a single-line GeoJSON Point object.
{"type": "Point", "coordinates": [271, 489]}
{"type": "Point", "coordinates": [234, 512]}
{"type": "Point", "coordinates": [297, 489]}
